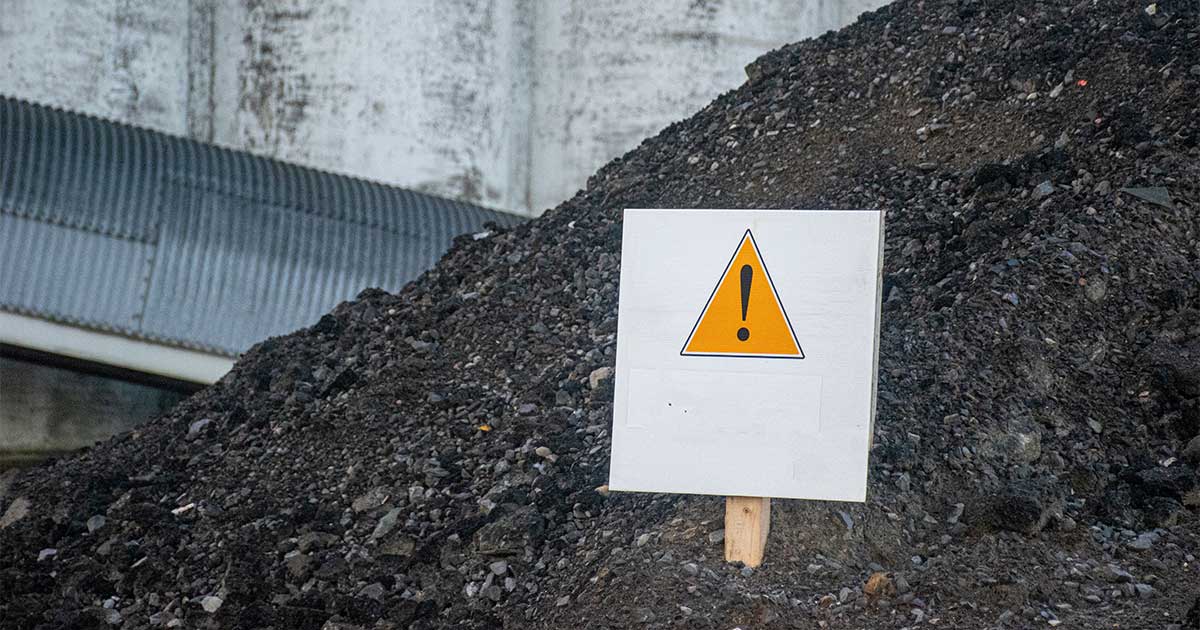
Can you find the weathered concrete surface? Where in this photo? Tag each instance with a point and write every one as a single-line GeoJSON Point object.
{"type": "Point", "coordinates": [47, 410]}
{"type": "Point", "coordinates": [427, 94]}
{"type": "Point", "coordinates": [122, 59]}
{"type": "Point", "coordinates": [508, 103]}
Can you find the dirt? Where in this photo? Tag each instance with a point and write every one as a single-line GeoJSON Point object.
{"type": "Point", "coordinates": [436, 458]}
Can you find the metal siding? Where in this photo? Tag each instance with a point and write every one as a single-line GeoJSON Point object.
{"type": "Point", "coordinates": [267, 290]}
{"type": "Point", "coordinates": [68, 275]}
{"type": "Point", "coordinates": [157, 237]}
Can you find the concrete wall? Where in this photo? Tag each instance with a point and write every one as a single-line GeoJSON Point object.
{"type": "Point", "coordinates": [46, 410]}
{"type": "Point", "coordinates": [119, 59]}
{"type": "Point", "coordinates": [508, 103]}
{"type": "Point", "coordinates": [428, 94]}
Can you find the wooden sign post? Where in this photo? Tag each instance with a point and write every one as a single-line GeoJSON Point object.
{"type": "Point", "coordinates": [747, 524]}
{"type": "Point", "coordinates": [745, 364]}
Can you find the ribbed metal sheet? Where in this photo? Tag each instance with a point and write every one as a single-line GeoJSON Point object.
{"type": "Point", "coordinates": [126, 230]}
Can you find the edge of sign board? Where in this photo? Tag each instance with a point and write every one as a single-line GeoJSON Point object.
{"type": "Point", "coordinates": [858, 498]}
{"type": "Point", "coordinates": [878, 331]}
{"type": "Point", "coordinates": [780, 210]}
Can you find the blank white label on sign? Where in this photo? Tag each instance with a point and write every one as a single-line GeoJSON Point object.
{"type": "Point", "coordinates": [746, 352]}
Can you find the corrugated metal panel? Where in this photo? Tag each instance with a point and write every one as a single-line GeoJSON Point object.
{"type": "Point", "coordinates": [72, 170]}
{"type": "Point", "coordinates": [127, 230]}
{"type": "Point", "coordinates": [70, 275]}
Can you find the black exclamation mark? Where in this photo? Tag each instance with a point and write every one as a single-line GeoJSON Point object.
{"type": "Point", "coordinates": [743, 333]}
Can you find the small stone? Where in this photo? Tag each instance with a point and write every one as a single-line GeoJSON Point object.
{"type": "Point", "coordinates": [641, 540]}
{"type": "Point", "coordinates": [527, 409]}
{"type": "Point", "coordinates": [316, 540]}
{"type": "Point", "coordinates": [298, 564]}
{"type": "Point", "coordinates": [1023, 446]}
{"type": "Point", "coordinates": [599, 376]}
{"type": "Point", "coordinates": [372, 591]}
{"type": "Point", "coordinates": [112, 617]}
{"type": "Point", "coordinates": [332, 568]}
{"type": "Point", "coordinates": [397, 545]}
{"type": "Point", "coordinates": [1191, 452]}
{"type": "Point", "coordinates": [1024, 506]}
{"type": "Point", "coordinates": [15, 512]}
{"type": "Point", "coordinates": [1113, 573]}
{"type": "Point", "coordinates": [1144, 591]}
{"type": "Point", "coordinates": [1044, 189]}
{"type": "Point", "coordinates": [1062, 141]}
{"type": "Point", "coordinates": [1095, 426]}
{"type": "Point", "coordinates": [716, 537]}
{"type": "Point", "coordinates": [950, 30]}
{"type": "Point", "coordinates": [369, 501]}
{"type": "Point", "coordinates": [545, 453]}
{"type": "Point", "coordinates": [562, 601]}
{"type": "Point", "coordinates": [691, 569]}
{"type": "Point", "coordinates": [46, 554]}
{"type": "Point", "coordinates": [1103, 188]}
{"type": "Point", "coordinates": [1157, 195]}
{"type": "Point", "coordinates": [747, 571]}
{"type": "Point", "coordinates": [386, 524]}
{"type": "Point", "coordinates": [196, 427]}
{"type": "Point", "coordinates": [96, 522]}
{"type": "Point", "coordinates": [498, 568]}
{"type": "Point", "coordinates": [1143, 542]}
{"type": "Point", "coordinates": [1195, 70]}
{"type": "Point", "coordinates": [211, 604]}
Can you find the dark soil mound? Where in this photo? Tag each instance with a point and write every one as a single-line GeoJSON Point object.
{"type": "Point", "coordinates": [431, 459]}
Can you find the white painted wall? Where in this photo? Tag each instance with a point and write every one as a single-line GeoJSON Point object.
{"type": "Point", "coordinates": [507, 103]}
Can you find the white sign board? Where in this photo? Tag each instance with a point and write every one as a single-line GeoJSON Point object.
{"type": "Point", "coordinates": [747, 345]}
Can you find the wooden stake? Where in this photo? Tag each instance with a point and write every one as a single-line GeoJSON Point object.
{"type": "Point", "coordinates": [747, 523]}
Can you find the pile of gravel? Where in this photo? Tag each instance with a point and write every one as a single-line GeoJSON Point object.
{"type": "Point", "coordinates": [437, 458]}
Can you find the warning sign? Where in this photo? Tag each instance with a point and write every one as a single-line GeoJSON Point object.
{"type": "Point", "coordinates": [746, 352]}
{"type": "Point", "coordinates": [744, 316]}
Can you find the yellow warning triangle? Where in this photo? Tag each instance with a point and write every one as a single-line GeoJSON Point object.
{"type": "Point", "coordinates": [744, 316]}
